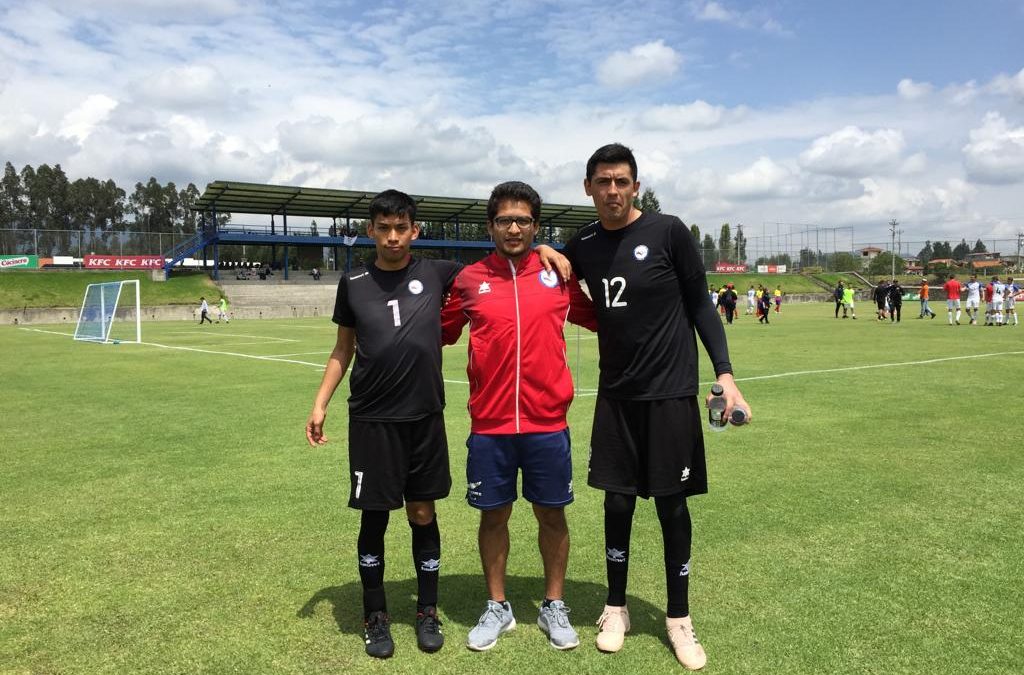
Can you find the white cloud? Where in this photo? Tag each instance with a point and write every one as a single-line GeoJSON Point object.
{"type": "Point", "coordinates": [911, 91]}
{"type": "Point", "coordinates": [757, 19]}
{"type": "Point", "coordinates": [691, 116]}
{"type": "Point", "coordinates": [643, 63]}
{"type": "Point", "coordinates": [764, 179]}
{"type": "Point", "coordinates": [995, 154]}
{"type": "Point", "coordinates": [1012, 85]}
{"type": "Point", "coordinates": [79, 122]}
{"type": "Point", "coordinates": [853, 152]}
{"type": "Point", "coordinates": [188, 86]}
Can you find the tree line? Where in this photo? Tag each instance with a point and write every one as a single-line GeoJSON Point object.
{"type": "Point", "coordinates": [43, 197]}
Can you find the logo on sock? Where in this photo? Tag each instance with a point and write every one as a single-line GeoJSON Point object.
{"type": "Point", "coordinates": [430, 565]}
{"type": "Point", "coordinates": [369, 560]}
{"type": "Point", "coordinates": [684, 571]}
{"type": "Point", "coordinates": [615, 555]}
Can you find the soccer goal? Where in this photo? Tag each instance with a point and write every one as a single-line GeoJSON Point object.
{"type": "Point", "coordinates": [105, 305]}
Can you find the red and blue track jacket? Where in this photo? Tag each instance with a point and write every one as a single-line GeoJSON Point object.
{"type": "Point", "coordinates": [519, 380]}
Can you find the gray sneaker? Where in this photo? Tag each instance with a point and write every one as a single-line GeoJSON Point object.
{"type": "Point", "coordinates": [554, 621]}
{"type": "Point", "coordinates": [495, 620]}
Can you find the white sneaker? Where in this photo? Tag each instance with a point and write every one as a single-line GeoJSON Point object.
{"type": "Point", "coordinates": [612, 628]}
{"type": "Point", "coordinates": [685, 644]}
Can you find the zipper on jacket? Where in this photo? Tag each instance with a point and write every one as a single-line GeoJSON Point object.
{"type": "Point", "coordinates": [515, 293]}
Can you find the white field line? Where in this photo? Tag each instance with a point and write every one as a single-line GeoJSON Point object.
{"type": "Point", "coordinates": [241, 335]}
{"type": "Point", "coordinates": [593, 392]}
{"type": "Point", "coordinates": [279, 356]}
{"type": "Point", "coordinates": [795, 373]}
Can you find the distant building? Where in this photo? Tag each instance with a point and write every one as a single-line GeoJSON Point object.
{"type": "Point", "coordinates": [869, 253]}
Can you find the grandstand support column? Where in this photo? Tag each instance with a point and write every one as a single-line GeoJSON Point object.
{"type": "Point", "coordinates": [284, 217]}
{"type": "Point", "coordinates": [458, 236]}
{"type": "Point", "coordinates": [286, 263]}
{"type": "Point", "coordinates": [216, 261]}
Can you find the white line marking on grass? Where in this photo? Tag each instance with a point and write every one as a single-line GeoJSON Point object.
{"type": "Point", "coordinates": [873, 365]}
{"type": "Point", "coordinates": [319, 366]}
{"type": "Point", "coordinates": [592, 392]}
{"type": "Point", "coordinates": [299, 354]}
{"type": "Point", "coordinates": [456, 382]}
{"type": "Point", "coordinates": [241, 335]}
{"type": "Point", "coordinates": [51, 332]}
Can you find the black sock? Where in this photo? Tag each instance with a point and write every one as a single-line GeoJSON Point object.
{"type": "Point", "coordinates": [370, 548]}
{"type": "Point", "coordinates": [426, 556]}
{"type": "Point", "coordinates": [676, 531]}
{"type": "Point", "coordinates": [618, 524]}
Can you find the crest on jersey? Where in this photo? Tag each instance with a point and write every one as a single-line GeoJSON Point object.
{"type": "Point", "coordinates": [640, 252]}
{"type": "Point", "coordinates": [549, 279]}
{"type": "Point", "coordinates": [415, 286]}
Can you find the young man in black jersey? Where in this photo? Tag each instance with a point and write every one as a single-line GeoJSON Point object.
{"type": "Point", "coordinates": [389, 316]}
{"type": "Point", "coordinates": [650, 292]}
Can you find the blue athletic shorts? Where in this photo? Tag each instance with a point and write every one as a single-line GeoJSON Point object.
{"type": "Point", "coordinates": [494, 461]}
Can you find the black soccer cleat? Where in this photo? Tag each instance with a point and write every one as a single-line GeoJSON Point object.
{"type": "Point", "coordinates": [428, 630]}
{"type": "Point", "coordinates": [377, 635]}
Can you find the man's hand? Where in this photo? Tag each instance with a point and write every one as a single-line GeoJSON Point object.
{"type": "Point", "coordinates": [733, 397]}
{"type": "Point", "coordinates": [551, 258]}
{"type": "Point", "coordinates": [315, 428]}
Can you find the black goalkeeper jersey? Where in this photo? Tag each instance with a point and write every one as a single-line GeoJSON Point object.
{"type": "Point", "coordinates": [649, 289]}
{"type": "Point", "coordinates": [397, 319]}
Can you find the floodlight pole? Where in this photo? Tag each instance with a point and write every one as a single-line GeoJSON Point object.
{"type": "Point", "coordinates": [892, 250]}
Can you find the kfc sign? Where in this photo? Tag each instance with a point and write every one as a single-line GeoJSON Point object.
{"type": "Point", "coordinates": [123, 262]}
{"type": "Point", "coordinates": [733, 268]}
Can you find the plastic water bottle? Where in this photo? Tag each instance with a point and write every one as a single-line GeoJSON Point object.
{"type": "Point", "coordinates": [716, 409]}
{"type": "Point", "coordinates": [739, 416]}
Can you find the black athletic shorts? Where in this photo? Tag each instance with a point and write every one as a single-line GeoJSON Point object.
{"type": "Point", "coordinates": [392, 462]}
{"type": "Point", "coordinates": [648, 448]}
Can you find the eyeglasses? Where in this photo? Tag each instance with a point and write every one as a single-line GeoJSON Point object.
{"type": "Point", "coordinates": [505, 222]}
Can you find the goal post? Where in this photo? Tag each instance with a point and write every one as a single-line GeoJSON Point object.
{"type": "Point", "coordinates": [110, 313]}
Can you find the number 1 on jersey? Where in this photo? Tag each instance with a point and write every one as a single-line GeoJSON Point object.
{"type": "Point", "coordinates": [393, 304]}
{"type": "Point", "coordinates": [617, 301]}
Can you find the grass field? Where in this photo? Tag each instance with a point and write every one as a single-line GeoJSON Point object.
{"type": "Point", "coordinates": [60, 288]}
{"type": "Point", "coordinates": [162, 513]}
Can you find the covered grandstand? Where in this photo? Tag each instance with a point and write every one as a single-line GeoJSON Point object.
{"type": "Point", "coordinates": [346, 209]}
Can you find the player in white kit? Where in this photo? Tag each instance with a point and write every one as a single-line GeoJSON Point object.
{"type": "Point", "coordinates": [973, 298]}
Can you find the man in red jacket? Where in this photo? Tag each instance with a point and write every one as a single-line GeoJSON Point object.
{"type": "Point", "coordinates": [520, 388]}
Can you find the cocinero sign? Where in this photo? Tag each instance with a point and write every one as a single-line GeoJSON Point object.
{"type": "Point", "coordinates": [120, 262]}
{"type": "Point", "coordinates": [9, 261]}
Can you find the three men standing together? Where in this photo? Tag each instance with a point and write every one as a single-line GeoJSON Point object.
{"type": "Point", "coordinates": [647, 285]}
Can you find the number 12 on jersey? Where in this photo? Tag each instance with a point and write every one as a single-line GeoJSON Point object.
{"type": "Point", "coordinates": [616, 284]}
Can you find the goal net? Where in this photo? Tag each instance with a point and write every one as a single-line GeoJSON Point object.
{"type": "Point", "coordinates": [110, 313]}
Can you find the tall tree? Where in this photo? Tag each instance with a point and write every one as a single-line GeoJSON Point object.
{"type": "Point", "coordinates": [708, 252]}
{"type": "Point", "coordinates": [979, 247]}
{"type": "Point", "coordinates": [961, 250]}
{"type": "Point", "coordinates": [926, 253]}
{"type": "Point", "coordinates": [725, 242]}
{"type": "Point", "coordinates": [12, 207]}
{"type": "Point", "coordinates": [648, 201]}
{"type": "Point", "coordinates": [740, 245]}
{"type": "Point", "coordinates": [695, 231]}
{"type": "Point", "coordinates": [942, 249]}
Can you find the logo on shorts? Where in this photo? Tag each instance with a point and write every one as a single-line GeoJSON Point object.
{"type": "Point", "coordinates": [369, 560]}
{"type": "Point", "coordinates": [484, 288]}
{"type": "Point", "coordinates": [684, 571]}
{"type": "Point", "coordinates": [472, 491]}
{"type": "Point", "coordinates": [615, 555]}
{"type": "Point", "coordinates": [549, 279]}
{"type": "Point", "coordinates": [570, 487]}
{"type": "Point", "coordinates": [430, 565]}
{"type": "Point", "coordinates": [685, 475]}
{"type": "Point", "coordinates": [640, 252]}
{"type": "Point", "coordinates": [415, 286]}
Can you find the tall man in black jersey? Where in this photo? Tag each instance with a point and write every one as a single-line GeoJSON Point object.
{"type": "Point", "coordinates": [650, 293]}
{"type": "Point", "coordinates": [389, 316]}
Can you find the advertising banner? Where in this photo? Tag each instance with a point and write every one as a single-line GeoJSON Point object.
{"type": "Point", "coordinates": [122, 262]}
{"type": "Point", "coordinates": [771, 269]}
{"type": "Point", "coordinates": [730, 268]}
{"type": "Point", "coordinates": [11, 261]}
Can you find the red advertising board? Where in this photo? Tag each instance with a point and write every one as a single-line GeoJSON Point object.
{"type": "Point", "coordinates": [734, 268]}
{"type": "Point", "coordinates": [121, 262]}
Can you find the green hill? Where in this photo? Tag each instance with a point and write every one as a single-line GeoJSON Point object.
{"type": "Point", "coordinates": [65, 288]}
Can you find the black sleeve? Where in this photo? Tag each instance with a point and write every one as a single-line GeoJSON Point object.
{"type": "Point", "coordinates": [449, 269]}
{"type": "Point", "coordinates": [343, 314]}
{"type": "Point", "coordinates": [693, 286]}
{"type": "Point", "coordinates": [569, 251]}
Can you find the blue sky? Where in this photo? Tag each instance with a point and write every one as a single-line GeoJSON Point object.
{"type": "Point", "coordinates": [831, 113]}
